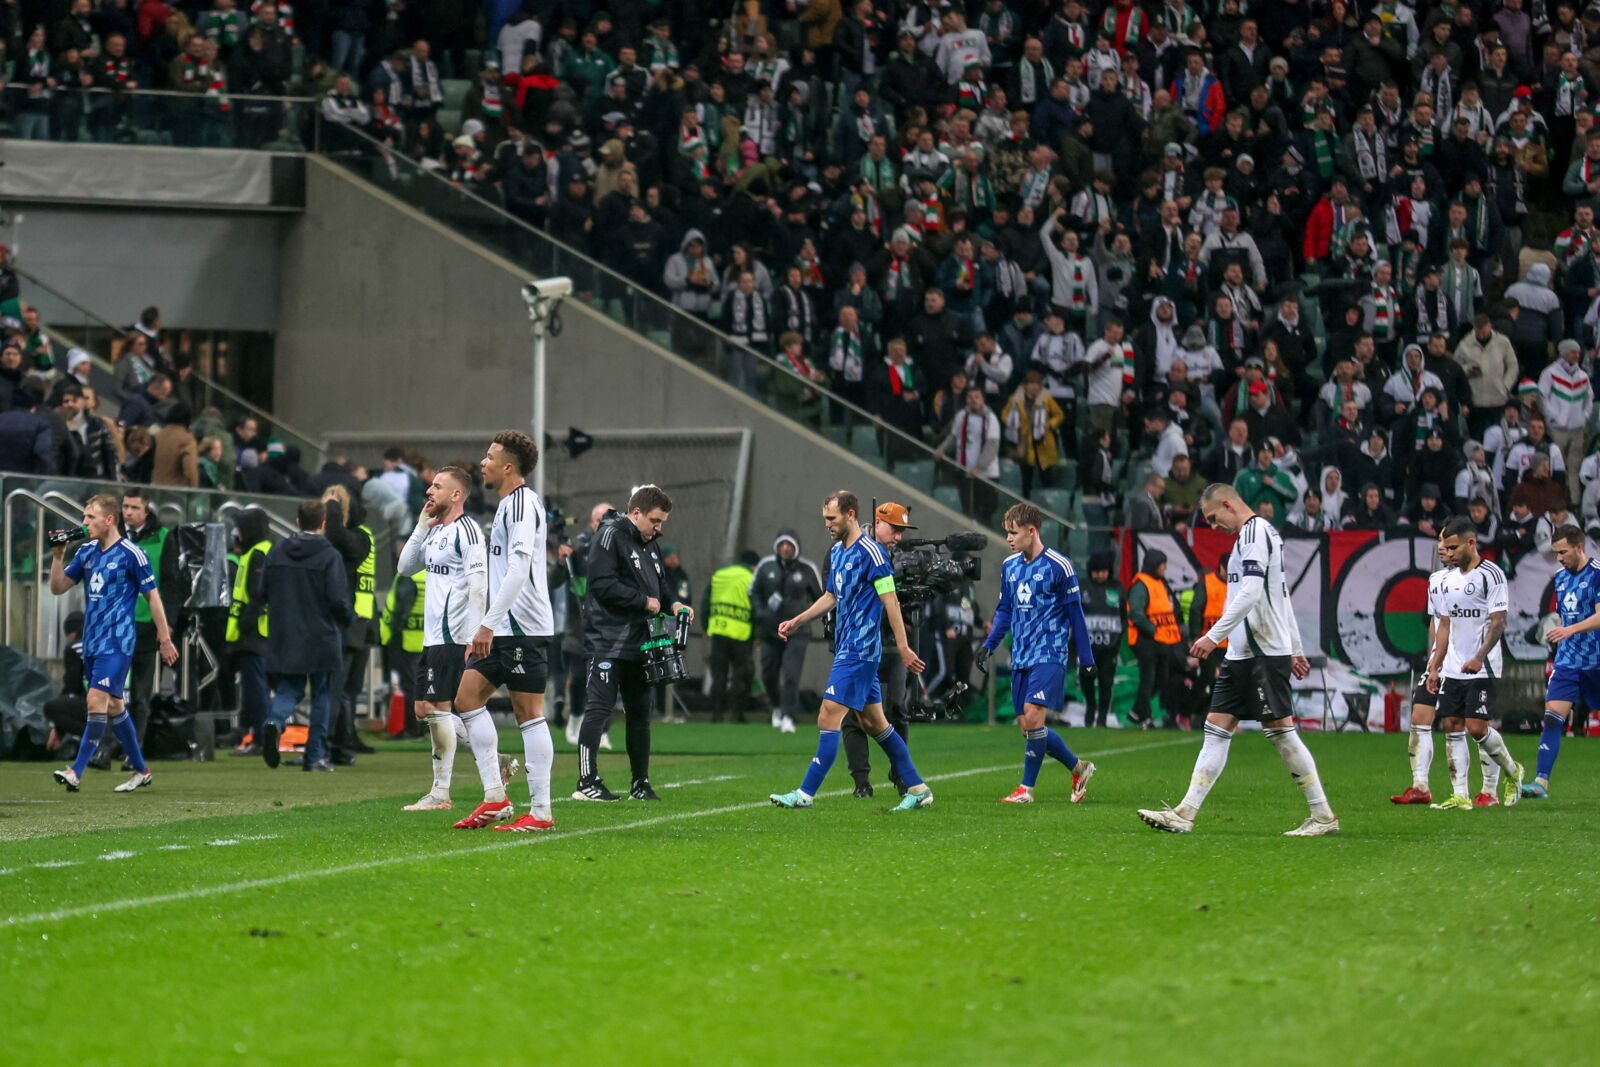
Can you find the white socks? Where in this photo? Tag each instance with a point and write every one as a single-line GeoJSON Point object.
{"type": "Point", "coordinates": [1207, 769]}
{"type": "Point", "coordinates": [539, 755]}
{"type": "Point", "coordinates": [1421, 750]}
{"type": "Point", "coordinates": [485, 744]}
{"type": "Point", "coordinates": [1494, 757]}
{"type": "Point", "coordinates": [1456, 757]}
{"type": "Point", "coordinates": [1302, 767]}
{"type": "Point", "coordinates": [442, 732]}
{"type": "Point", "coordinates": [459, 729]}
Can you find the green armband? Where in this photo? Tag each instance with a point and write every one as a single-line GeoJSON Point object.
{"type": "Point", "coordinates": [884, 585]}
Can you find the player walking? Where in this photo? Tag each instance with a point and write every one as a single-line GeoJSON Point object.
{"type": "Point", "coordinates": [449, 546]}
{"type": "Point", "coordinates": [1040, 608]}
{"type": "Point", "coordinates": [1254, 680]}
{"type": "Point", "coordinates": [1471, 608]}
{"type": "Point", "coordinates": [1424, 702]}
{"type": "Point", "coordinates": [861, 585]}
{"type": "Point", "coordinates": [1577, 671]}
{"type": "Point", "coordinates": [114, 573]}
{"type": "Point", "coordinates": [511, 646]}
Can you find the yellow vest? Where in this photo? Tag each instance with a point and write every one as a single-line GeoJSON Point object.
{"type": "Point", "coordinates": [730, 603]}
{"type": "Point", "coordinates": [367, 578]}
{"type": "Point", "coordinates": [1216, 600]}
{"type": "Point", "coordinates": [411, 633]}
{"type": "Point", "coordinates": [1161, 613]}
{"type": "Point", "coordinates": [241, 591]}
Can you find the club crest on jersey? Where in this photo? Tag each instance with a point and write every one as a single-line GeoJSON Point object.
{"type": "Point", "coordinates": [1471, 588]}
{"type": "Point", "coordinates": [1025, 594]}
{"type": "Point", "coordinates": [97, 583]}
{"type": "Point", "coordinates": [1569, 602]}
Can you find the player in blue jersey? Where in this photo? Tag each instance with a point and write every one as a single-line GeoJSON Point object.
{"type": "Point", "coordinates": [114, 573]}
{"type": "Point", "coordinates": [860, 587]}
{"type": "Point", "coordinates": [1576, 678]}
{"type": "Point", "coordinates": [1040, 608]}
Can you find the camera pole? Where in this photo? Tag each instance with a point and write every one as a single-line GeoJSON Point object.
{"type": "Point", "coordinates": [543, 321]}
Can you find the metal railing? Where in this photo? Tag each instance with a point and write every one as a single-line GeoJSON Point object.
{"type": "Point", "coordinates": [82, 328]}
{"type": "Point", "coordinates": [159, 117]}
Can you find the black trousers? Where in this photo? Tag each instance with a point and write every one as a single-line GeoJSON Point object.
{"type": "Point", "coordinates": [1097, 696]}
{"type": "Point", "coordinates": [343, 744]}
{"type": "Point", "coordinates": [857, 747]}
{"type": "Point", "coordinates": [730, 662]}
{"type": "Point", "coordinates": [624, 678]}
{"type": "Point", "coordinates": [782, 663]}
{"type": "Point", "coordinates": [143, 685]}
{"type": "Point", "coordinates": [1155, 676]}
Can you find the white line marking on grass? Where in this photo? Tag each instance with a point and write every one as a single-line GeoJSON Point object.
{"type": "Point", "coordinates": [58, 863]}
{"type": "Point", "coordinates": [174, 848]}
{"type": "Point", "coordinates": [290, 877]}
{"type": "Point", "coordinates": [702, 781]}
{"type": "Point", "coordinates": [120, 854]}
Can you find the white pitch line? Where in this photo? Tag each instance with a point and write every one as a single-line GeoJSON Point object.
{"type": "Point", "coordinates": [287, 878]}
{"type": "Point", "coordinates": [121, 854]}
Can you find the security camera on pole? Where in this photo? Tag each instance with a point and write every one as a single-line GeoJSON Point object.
{"type": "Point", "coordinates": [543, 298]}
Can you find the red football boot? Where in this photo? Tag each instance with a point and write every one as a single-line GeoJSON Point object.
{"type": "Point", "coordinates": [1413, 795]}
{"type": "Point", "coordinates": [487, 814]}
{"type": "Point", "coordinates": [1485, 800]}
{"type": "Point", "coordinates": [527, 824]}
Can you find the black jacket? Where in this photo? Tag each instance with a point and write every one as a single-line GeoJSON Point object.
{"type": "Point", "coordinates": [352, 544]}
{"type": "Point", "coordinates": [306, 591]}
{"type": "Point", "coordinates": [26, 443]}
{"type": "Point", "coordinates": [782, 588]}
{"type": "Point", "coordinates": [624, 572]}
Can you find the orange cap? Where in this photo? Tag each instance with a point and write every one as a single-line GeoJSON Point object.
{"type": "Point", "coordinates": [895, 515]}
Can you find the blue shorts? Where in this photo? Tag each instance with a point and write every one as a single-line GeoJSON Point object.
{"type": "Point", "coordinates": [1044, 684]}
{"type": "Point", "coordinates": [107, 672]}
{"type": "Point", "coordinates": [1574, 686]}
{"type": "Point", "coordinates": [853, 684]}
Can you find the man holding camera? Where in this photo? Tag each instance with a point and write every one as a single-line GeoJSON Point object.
{"type": "Point", "coordinates": [627, 584]}
{"type": "Point", "coordinates": [890, 523]}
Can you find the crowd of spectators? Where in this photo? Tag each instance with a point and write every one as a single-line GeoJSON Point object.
{"type": "Point", "coordinates": [1341, 254]}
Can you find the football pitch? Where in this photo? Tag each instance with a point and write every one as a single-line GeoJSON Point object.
{"type": "Point", "coordinates": [236, 914]}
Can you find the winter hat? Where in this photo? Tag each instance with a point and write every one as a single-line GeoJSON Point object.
{"type": "Point", "coordinates": [1194, 338]}
{"type": "Point", "coordinates": [1569, 345]}
{"type": "Point", "coordinates": [1101, 561]}
{"type": "Point", "coordinates": [1153, 560]}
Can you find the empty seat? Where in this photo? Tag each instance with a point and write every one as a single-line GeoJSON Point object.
{"type": "Point", "coordinates": [918, 474]}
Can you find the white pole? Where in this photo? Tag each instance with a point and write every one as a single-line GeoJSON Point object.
{"type": "Point", "coordinates": [538, 408]}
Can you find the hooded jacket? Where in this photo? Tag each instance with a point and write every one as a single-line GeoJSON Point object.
{"type": "Point", "coordinates": [251, 529]}
{"type": "Point", "coordinates": [782, 588]}
{"type": "Point", "coordinates": [305, 582]}
{"type": "Point", "coordinates": [624, 571]}
{"type": "Point", "coordinates": [691, 296]}
{"type": "Point", "coordinates": [1541, 320]}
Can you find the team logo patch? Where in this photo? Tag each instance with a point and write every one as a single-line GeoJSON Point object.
{"type": "Point", "coordinates": [97, 583]}
{"type": "Point", "coordinates": [1037, 696]}
{"type": "Point", "coordinates": [829, 691]}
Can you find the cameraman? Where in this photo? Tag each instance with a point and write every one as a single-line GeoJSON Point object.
{"type": "Point", "coordinates": [953, 620]}
{"type": "Point", "coordinates": [890, 523]}
{"type": "Point", "coordinates": [785, 584]}
{"type": "Point", "coordinates": [627, 587]}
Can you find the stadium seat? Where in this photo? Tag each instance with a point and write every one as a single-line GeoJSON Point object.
{"type": "Point", "coordinates": [949, 496]}
{"type": "Point", "coordinates": [864, 443]}
{"type": "Point", "coordinates": [1055, 501]}
{"type": "Point", "coordinates": [918, 474]}
{"type": "Point", "coordinates": [455, 94]}
{"type": "Point", "coordinates": [1066, 476]}
{"type": "Point", "coordinates": [1011, 475]}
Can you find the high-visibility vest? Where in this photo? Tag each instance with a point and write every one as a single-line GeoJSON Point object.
{"type": "Point", "coordinates": [411, 633]}
{"type": "Point", "coordinates": [241, 591]}
{"type": "Point", "coordinates": [1160, 610]}
{"type": "Point", "coordinates": [1216, 601]}
{"type": "Point", "coordinates": [730, 603]}
{"type": "Point", "coordinates": [367, 578]}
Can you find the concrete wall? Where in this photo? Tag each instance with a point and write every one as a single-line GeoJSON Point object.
{"type": "Point", "coordinates": [389, 322]}
{"type": "Point", "coordinates": [205, 269]}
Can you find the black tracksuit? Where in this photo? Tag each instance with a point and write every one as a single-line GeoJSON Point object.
{"type": "Point", "coordinates": [1105, 607]}
{"type": "Point", "coordinates": [624, 572]}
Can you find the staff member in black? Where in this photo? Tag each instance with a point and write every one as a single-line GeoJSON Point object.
{"type": "Point", "coordinates": [627, 582]}
{"type": "Point", "coordinates": [1106, 609]}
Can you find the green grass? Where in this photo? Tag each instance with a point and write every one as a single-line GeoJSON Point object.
{"type": "Point", "coordinates": [713, 929]}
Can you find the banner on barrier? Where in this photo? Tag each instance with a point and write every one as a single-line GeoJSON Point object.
{"type": "Point", "coordinates": [1360, 596]}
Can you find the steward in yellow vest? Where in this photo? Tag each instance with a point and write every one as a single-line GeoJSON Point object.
{"type": "Point", "coordinates": [727, 615]}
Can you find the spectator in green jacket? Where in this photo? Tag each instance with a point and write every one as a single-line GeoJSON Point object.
{"type": "Point", "coordinates": [1265, 481]}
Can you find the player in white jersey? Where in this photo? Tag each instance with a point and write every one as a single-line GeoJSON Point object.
{"type": "Point", "coordinates": [1424, 703]}
{"type": "Point", "coordinates": [1471, 606]}
{"type": "Point", "coordinates": [511, 646]}
{"type": "Point", "coordinates": [1254, 681]}
{"type": "Point", "coordinates": [450, 547]}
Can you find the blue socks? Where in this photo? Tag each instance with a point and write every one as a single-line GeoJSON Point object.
{"type": "Point", "coordinates": [1550, 744]}
{"type": "Point", "coordinates": [1057, 749]}
{"type": "Point", "coordinates": [128, 735]}
{"type": "Point", "coordinates": [822, 762]}
{"type": "Point", "coordinates": [894, 746]}
{"type": "Point", "coordinates": [1033, 755]}
{"type": "Point", "coordinates": [93, 731]}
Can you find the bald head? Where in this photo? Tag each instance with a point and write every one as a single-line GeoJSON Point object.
{"type": "Point", "coordinates": [1224, 508]}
